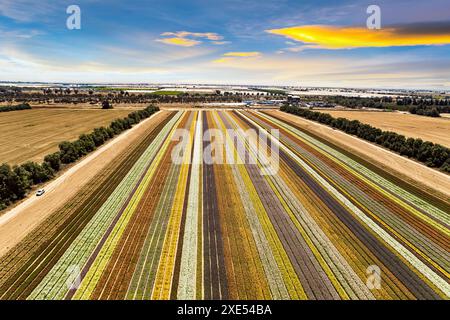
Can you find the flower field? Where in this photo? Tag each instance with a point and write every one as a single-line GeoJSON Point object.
{"type": "Point", "coordinates": [150, 228]}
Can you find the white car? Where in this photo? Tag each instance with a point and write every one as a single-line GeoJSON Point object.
{"type": "Point", "coordinates": [40, 192]}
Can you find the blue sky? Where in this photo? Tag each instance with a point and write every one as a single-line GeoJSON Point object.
{"type": "Point", "coordinates": [228, 42]}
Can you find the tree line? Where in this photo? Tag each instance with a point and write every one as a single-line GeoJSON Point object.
{"type": "Point", "coordinates": [429, 153]}
{"type": "Point", "coordinates": [96, 97]}
{"type": "Point", "coordinates": [78, 96]}
{"type": "Point", "coordinates": [16, 181]}
{"type": "Point", "coordinates": [429, 107]}
{"type": "Point", "coordinates": [427, 111]}
{"type": "Point", "coordinates": [23, 106]}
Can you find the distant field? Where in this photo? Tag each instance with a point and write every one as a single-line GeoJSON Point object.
{"type": "Point", "coordinates": [432, 129]}
{"type": "Point", "coordinates": [168, 93]}
{"type": "Point", "coordinates": [32, 134]}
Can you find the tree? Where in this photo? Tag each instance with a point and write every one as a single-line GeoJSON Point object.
{"type": "Point", "coordinates": [54, 160]}
{"type": "Point", "coordinates": [68, 152]}
{"type": "Point", "coordinates": [106, 105]}
{"type": "Point", "coordinates": [20, 182]}
{"type": "Point", "coordinates": [87, 142]}
{"type": "Point", "coordinates": [38, 173]}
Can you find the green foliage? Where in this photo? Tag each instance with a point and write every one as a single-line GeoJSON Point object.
{"type": "Point", "coordinates": [425, 111]}
{"type": "Point", "coordinates": [53, 160]}
{"type": "Point", "coordinates": [433, 155]}
{"type": "Point", "coordinates": [68, 151]}
{"type": "Point", "coordinates": [15, 182]}
{"type": "Point", "coordinates": [106, 105]}
{"type": "Point", "coordinates": [421, 106]}
{"type": "Point", "coordinates": [38, 173]}
{"type": "Point", "coordinates": [23, 106]}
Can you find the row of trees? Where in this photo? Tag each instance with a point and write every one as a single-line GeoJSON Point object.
{"type": "Point", "coordinates": [357, 102]}
{"type": "Point", "coordinates": [23, 106]}
{"type": "Point", "coordinates": [425, 111]}
{"type": "Point", "coordinates": [421, 106]}
{"type": "Point", "coordinates": [433, 155]}
{"type": "Point", "coordinates": [95, 97]}
{"type": "Point", "coordinates": [408, 101]}
{"type": "Point", "coordinates": [16, 181]}
{"type": "Point", "coordinates": [117, 97]}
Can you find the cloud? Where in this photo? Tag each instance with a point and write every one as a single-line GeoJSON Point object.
{"type": "Point", "coordinates": [221, 42]}
{"type": "Point", "coordinates": [393, 70]}
{"type": "Point", "coordinates": [30, 10]}
{"type": "Point", "coordinates": [189, 39]}
{"type": "Point", "coordinates": [179, 42]}
{"type": "Point", "coordinates": [37, 64]}
{"type": "Point", "coordinates": [336, 37]}
{"type": "Point", "coordinates": [242, 54]}
{"type": "Point", "coordinates": [396, 71]}
{"type": "Point", "coordinates": [297, 48]}
{"type": "Point", "coordinates": [223, 60]}
{"type": "Point", "coordinates": [19, 34]}
{"type": "Point", "coordinates": [183, 34]}
{"type": "Point", "coordinates": [230, 56]}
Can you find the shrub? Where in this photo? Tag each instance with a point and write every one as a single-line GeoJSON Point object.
{"type": "Point", "coordinates": [106, 105]}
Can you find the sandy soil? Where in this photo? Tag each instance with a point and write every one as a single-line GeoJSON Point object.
{"type": "Point", "coordinates": [411, 171]}
{"type": "Point", "coordinates": [29, 135]}
{"type": "Point", "coordinates": [16, 223]}
{"type": "Point", "coordinates": [436, 130]}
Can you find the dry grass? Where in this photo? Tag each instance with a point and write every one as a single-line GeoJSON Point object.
{"type": "Point", "coordinates": [431, 129]}
{"type": "Point", "coordinates": [29, 135]}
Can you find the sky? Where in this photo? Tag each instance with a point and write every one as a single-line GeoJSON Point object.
{"type": "Point", "coordinates": [264, 42]}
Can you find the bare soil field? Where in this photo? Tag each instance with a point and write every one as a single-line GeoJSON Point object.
{"type": "Point", "coordinates": [431, 129]}
{"type": "Point", "coordinates": [29, 135]}
{"type": "Point", "coordinates": [433, 181]}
